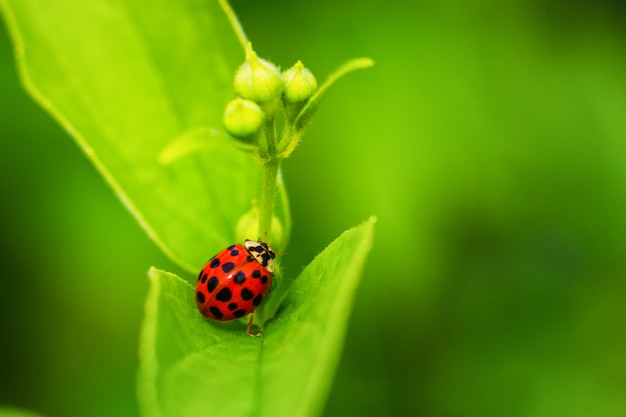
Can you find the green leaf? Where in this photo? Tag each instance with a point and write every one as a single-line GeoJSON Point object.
{"type": "Point", "coordinates": [191, 366]}
{"type": "Point", "coordinates": [16, 412]}
{"type": "Point", "coordinates": [125, 79]}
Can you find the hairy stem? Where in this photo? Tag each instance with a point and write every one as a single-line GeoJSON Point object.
{"type": "Point", "coordinates": [270, 135]}
{"type": "Point", "coordinates": [268, 193]}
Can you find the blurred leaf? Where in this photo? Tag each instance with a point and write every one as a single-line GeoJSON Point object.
{"type": "Point", "coordinates": [16, 412]}
{"type": "Point", "coordinates": [304, 117]}
{"type": "Point", "coordinates": [125, 78]}
{"type": "Point", "coordinates": [191, 366]}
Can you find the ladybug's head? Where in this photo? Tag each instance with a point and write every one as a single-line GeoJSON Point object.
{"type": "Point", "coordinates": [262, 253]}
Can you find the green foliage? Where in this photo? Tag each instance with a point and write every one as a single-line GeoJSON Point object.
{"type": "Point", "coordinates": [146, 106]}
{"type": "Point", "coordinates": [490, 144]}
{"type": "Point", "coordinates": [191, 367]}
{"type": "Point", "coordinates": [303, 113]}
{"type": "Point", "coordinates": [125, 89]}
{"type": "Point", "coordinates": [307, 113]}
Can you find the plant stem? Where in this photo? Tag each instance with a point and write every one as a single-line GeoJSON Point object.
{"type": "Point", "coordinates": [270, 136]}
{"type": "Point", "coordinates": [268, 194]}
{"type": "Point", "coordinates": [269, 176]}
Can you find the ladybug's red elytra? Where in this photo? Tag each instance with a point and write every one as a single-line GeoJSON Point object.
{"type": "Point", "coordinates": [235, 282]}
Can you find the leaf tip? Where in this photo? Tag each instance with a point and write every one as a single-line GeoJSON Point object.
{"type": "Point", "coordinates": [152, 272]}
{"type": "Point", "coordinates": [365, 62]}
{"type": "Point", "coordinates": [367, 224]}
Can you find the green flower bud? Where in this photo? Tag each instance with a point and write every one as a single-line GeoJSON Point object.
{"type": "Point", "coordinates": [300, 83]}
{"type": "Point", "coordinates": [243, 118]}
{"type": "Point", "coordinates": [257, 79]}
{"type": "Point", "coordinates": [248, 228]}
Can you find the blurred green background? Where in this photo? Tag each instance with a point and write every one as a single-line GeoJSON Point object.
{"type": "Point", "coordinates": [490, 141]}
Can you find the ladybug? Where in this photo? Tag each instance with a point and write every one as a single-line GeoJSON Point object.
{"type": "Point", "coordinates": [235, 281]}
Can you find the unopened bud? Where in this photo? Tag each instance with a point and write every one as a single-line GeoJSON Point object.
{"type": "Point", "coordinates": [257, 79]}
{"type": "Point", "coordinates": [300, 83]}
{"type": "Point", "coordinates": [243, 118]}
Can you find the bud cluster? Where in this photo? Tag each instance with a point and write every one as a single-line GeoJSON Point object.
{"type": "Point", "coordinates": [260, 86]}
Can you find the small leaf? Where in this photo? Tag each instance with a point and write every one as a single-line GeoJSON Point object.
{"type": "Point", "coordinates": [191, 366]}
{"type": "Point", "coordinates": [294, 132]}
{"type": "Point", "coordinates": [199, 140]}
{"type": "Point", "coordinates": [312, 105]}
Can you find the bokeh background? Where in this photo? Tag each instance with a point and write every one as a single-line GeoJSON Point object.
{"type": "Point", "coordinates": [490, 141]}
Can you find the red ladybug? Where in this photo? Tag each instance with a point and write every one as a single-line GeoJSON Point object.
{"type": "Point", "coordinates": [235, 282]}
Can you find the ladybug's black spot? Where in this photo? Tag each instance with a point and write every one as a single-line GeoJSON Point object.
{"type": "Point", "coordinates": [228, 266]}
{"type": "Point", "coordinates": [240, 277]}
{"type": "Point", "coordinates": [234, 252]}
{"type": "Point", "coordinates": [224, 295]}
{"type": "Point", "coordinates": [257, 300]}
{"type": "Point", "coordinates": [215, 263]}
{"type": "Point", "coordinates": [258, 249]}
{"type": "Point", "coordinates": [232, 306]}
{"type": "Point", "coordinates": [246, 294]}
{"type": "Point", "coordinates": [264, 279]}
{"type": "Point", "coordinates": [212, 283]}
{"type": "Point", "coordinates": [216, 312]}
{"type": "Point", "coordinates": [204, 277]}
{"type": "Point", "coordinates": [256, 273]}
{"type": "Point", "coordinates": [200, 297]}
{"type": "Point", "coordinates": [240, 313]}
{"type": "Point", "coordinates": [250, 258]}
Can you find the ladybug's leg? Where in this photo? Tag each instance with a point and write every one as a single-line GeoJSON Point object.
{"type": "Point", "coordinates": [250, 333]}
